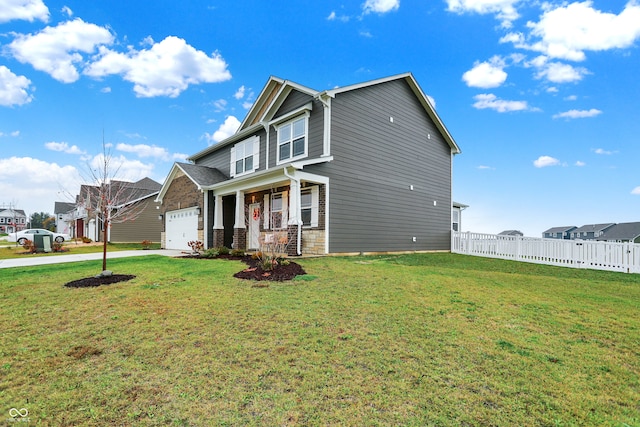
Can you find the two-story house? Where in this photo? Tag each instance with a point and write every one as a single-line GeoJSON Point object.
{"type": "Point", "coordinates": [133, 212]}
{"type": "Point", "coordinates": [624, 232]}
{"type": "Point", "coordinates": [361, 168]}
{"type": "Point", "coordinates": [590, 231]}
{"type": "Point", "coordinates": [12, 220]}
{"type": "Point", "coordinates": [563, 233]}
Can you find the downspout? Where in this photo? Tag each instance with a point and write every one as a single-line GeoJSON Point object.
{"type": "Point", "coordinates": [298, 210]}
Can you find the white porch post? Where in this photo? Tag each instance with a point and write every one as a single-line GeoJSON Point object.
{"type": "Point", "coordinates": [217, 214]}
{"type": "Point", "coordinates": [295, 214]}
{"type": "Point", "coordinates": [239, 210]}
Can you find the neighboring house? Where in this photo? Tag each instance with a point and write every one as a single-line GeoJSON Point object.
{"type": "Point", "coordinates": [559, 232]}
{"type": "Point", "coordinates": [511, 233]}
{"type": "Point", "coordinates": [590, 231]}
{"type": "Point", "coordinates": [133, 217]}
{"type": "Point", "coordinates": [63, 212]}
{"type": "Point", "coordinates": [12, 220]}
{"type": "Point", "coordinates": [625, 232]}
{"type": "Point", "coordinates": [362, 168]}
{"type": "Point", "coordinates": [456, 216]}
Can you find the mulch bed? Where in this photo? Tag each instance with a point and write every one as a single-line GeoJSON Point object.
{"type": "Point", "coordinates": [254, 271]}
{"type": "Point", "coordinates": [91, 282]}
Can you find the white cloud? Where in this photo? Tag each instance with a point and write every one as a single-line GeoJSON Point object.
{"type": "Point", "coordinates": [228, 128]}
{"type": "Point", "coordinates": [490, 101]}
{"type": "Point", "coordinates": [503, 9]}
{"type": "Point", "coordinates": [432, 101]}
{"type": "Point", "coordinates": [122, 168]}
{"type": "Point", "coordinates": [63, 147]}
{"type": "Point", "coordinates": [558, 72]}
{"type": "Point", "coordinates": [239, 93]}
{"type": "Point", "coordinates": [571, 98]}
{"type": "Point", "coordinates": [334, 17]}
{"type": "Point", "coordinates": [35, 185]}
{"type": "Point", "coordinates": [380, 6]}
{"type": "Point", "coordinates": [484, 167]}
{"type": "Point", "coordinates": [14, 134]}
{"type": "Point", "coordinates": [544, 161]}
{"type": "Point", "coordinates": [66, 10]}
{"type": "Point", "coordinates": [220, 105]}
{"type": "Point", "coordinates": [27, 10]}
{"type": "Point", "coordinates": [144, 150]}
{"type": "Point", "coordinates": [166, 69]}
{"type": "Point", "coordinates": [580, 164]}
{"type": "Point", "coordinates": [569, 30]}
{"type": "Point", "coordinates": [57, 50]}
{"type": "Point", "coordinates": [636, 191]}
{"type": "Point", "coordinates": [577, 114]}
{"type": "Point", "coordinates": [13, 88]}
{"type": "Point", "coordinates": [106, 89]}
{"type": "Point", "coordinates": [603, 152]}
{"type": "Point", "coordinates": [488, 74]}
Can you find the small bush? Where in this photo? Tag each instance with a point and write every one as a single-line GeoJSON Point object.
{"type": "Point", "coordinates": [86, 240]}
{"type": "Point", "coordinates": [196, 245]}
{"type": "Point", "coordinates": [237, 252]}
{"type": "Point", "coordinates": [57, 247]}
{"type": "Point", "coordinates": [223, 250]}
{"type": "Point", "coordinates": [210, 253]}
{"type": "Point", "coordinates": [29, 246]}
{"type": "Point", "coordinates": [146, 244]}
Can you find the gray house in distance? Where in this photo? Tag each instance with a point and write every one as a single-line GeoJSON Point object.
{"type": "Point", "coordinates": [362, 168]}
{"type": "Point", "coordinates": [625, 232]}
{"type": "Point", "coordinates": [559, 232]}
{"type": "Point", "coordinates": [590, 231]}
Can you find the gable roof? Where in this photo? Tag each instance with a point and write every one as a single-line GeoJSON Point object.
{"type": "Point", "coordinates": [63, 207]}
{"type": "Point", "coordinates": [201, 176]}
{"type": "Point", "coordinates": [415, 87]}
{"type": "Point", "coordinates": [276, 90]}
{"type": "Point", "coordinates": [625, 231]}
{"type": "Point", "coordinates": [560, 229]}
{"type": "Point", "coordinates": [511, 233]}
{"type": "Point", "coordinates": [590, 228]}
{"type": "Point", "coordinates": [10, 212]}
{"type": "Point", "coordinates": [125, 192]}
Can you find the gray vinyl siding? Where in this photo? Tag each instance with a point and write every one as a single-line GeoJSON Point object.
{"type": "Point", "coordinates": [146, 226]}
{"type": "Point", "coordinates": [372, 206]}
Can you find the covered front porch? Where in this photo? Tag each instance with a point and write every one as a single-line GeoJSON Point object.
{"type": "Point", "coordinates": [285, 206]}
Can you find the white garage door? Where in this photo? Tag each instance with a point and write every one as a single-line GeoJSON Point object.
{"type": "Point", "coordinates": [181, 228]}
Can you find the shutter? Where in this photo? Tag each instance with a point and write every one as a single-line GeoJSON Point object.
{"type": "Point", "coordinates": [232, 165]}
{"type": "Point", "coordinates": [256, 153]}
{"type": "Point", "coordinates": [315, 205]}
{"type": "Point", "coordinates": [266, 211]}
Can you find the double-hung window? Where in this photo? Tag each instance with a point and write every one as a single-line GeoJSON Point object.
{"type": "Point", "coordinates": [292, 140]}
{"type": "Point", "coordinates": [245, 156]}
{"type": "Point", "coordinates": [309, 206]}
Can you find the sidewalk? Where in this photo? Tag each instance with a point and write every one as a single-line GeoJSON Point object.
{"type": "Point", "coordinates": [27, 260]}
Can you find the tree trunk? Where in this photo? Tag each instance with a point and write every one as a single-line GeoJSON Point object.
{"type": "Point", "coordinates": [104, 243]}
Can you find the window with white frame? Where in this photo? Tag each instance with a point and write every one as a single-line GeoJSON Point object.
{"type": "Point", "coordinates": [245, 156]}
{"type": "Point", "coordinates": [309, 206]}
{"type": "Point", "coordinates": [292, 139]}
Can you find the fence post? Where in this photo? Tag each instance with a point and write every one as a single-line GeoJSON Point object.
{"type": "Point", "coordinates": [518, 247]}
{"type": "Point", "coordinates": [468, 243]}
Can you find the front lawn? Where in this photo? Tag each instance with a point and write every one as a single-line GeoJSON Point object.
{"type": "Point", "coordinates": [430, 339]}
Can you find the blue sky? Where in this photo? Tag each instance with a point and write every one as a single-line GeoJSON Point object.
{"type": "Point", "coordinates": [542, 97]}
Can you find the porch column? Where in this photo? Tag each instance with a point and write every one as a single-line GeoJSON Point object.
{"type": "Point", "coordinates": [218, 226]}
{"type": "Point", "coordinates": [294, 225]}
{"type": "Point", "coordinates": [239, 228]}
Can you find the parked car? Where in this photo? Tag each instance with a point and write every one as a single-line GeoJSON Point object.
{"type": "Point", "coordinates": [24, 235]}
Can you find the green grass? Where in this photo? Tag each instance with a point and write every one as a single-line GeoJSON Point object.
{"type": "Point", "coordinates": [417, 340]}
{"type": "Point", "coordinates": [11, 250]}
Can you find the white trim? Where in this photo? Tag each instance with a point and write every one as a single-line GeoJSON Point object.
{"type": "Point", "coordinates": [291, 114]}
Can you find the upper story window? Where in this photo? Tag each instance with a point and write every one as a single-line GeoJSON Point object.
{"type": "Point", "coordinates": [245, 156]}
{"type": "Point", "coordinates": [292, 140]}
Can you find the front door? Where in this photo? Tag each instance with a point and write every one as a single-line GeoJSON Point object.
{"type": "Point", "coordinates": [254, 225]}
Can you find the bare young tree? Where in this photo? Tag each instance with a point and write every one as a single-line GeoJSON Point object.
{"type": "Point", "coordinates": [111, 200]}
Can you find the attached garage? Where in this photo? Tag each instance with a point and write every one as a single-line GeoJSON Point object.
{"type": "Point", "coordinates": [181, 228]}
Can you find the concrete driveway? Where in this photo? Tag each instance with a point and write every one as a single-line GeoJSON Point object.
{"type": "Point", "coordinates": [29, 260]}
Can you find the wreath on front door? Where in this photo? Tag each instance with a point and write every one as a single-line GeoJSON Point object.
{"type": "Point", "coordinates": [256, 214]}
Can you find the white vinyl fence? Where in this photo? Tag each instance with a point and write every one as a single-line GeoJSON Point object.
{"type": "Point", "coordinates": [622, 257]}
